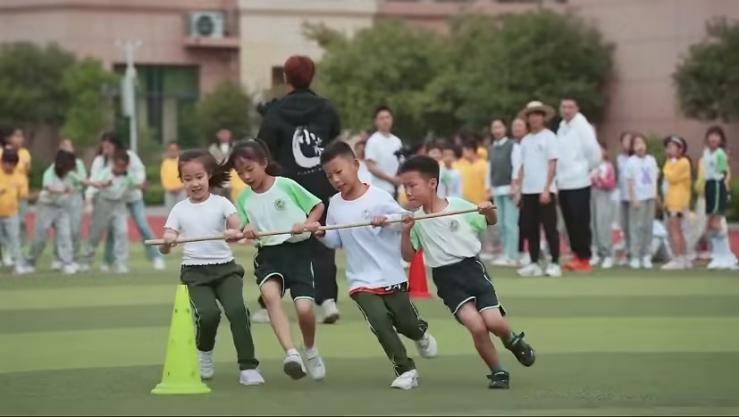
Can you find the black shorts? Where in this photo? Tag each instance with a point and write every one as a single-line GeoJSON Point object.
{"type": "Point", "coordinates": [291, 264]}
{"type": "Point", "coordinates": [717, 197]}
{"type": "Point", "coordinates": [465, 281]}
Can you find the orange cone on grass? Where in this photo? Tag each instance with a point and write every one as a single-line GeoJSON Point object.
{"type": "Point", "coordinates": [417, 277]}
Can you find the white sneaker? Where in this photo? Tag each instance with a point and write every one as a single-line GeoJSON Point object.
{"type": "Point", "coordinates": [70, 269]}
{"type": "Point", "coordinates": [260, 316]}
{"type": "Point", "coordinates": [56, 265]}
{"type": "Point", "coordinates": [506, 262]}
{"type": "Point", "coordinates": [407, 380]}
{"type": "Point", "coordinates": [646, 262]}
{"type": "Point", "coordinates": [293, 365]}
{"type": "Point", "coordinates": [121, 269]}
{"type": "Point", "coordinates": [673, 265]}
{"type": "Point", "coordinates": [23, 269]}
{"type": "Point", "coordinates": [7, 260]}
{"type": "Point", "coordinates": [207, 366]}
{"type": "Point", "coordinates": [159, 264]}
{"type": "Point", "coordinates": [250, 377]}
{"type": "Point", "coordinates": [330, 311]}
{"type": "Point", "coordinates": [531, 270]}
{"type": "Point", "coordinates": [83, 267]}
{"type": "Point", "coordinates": [595, 260]}
{"type": "Point", "coordinates": [524, 259]}
{"type": "Point", "coordinates": [553, 270]}
{"type": "Point", "coordinates": [104, 267]}
{"type": "Point", "coordinates": [314, 365]}
{"type": "Point", "coordinates": [607, 263]}
{"type": "Point", "coordinates": [634, 263]}
{"type": "Point", "coordinates": [427, 346]}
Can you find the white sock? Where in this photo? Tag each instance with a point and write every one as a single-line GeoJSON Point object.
{"type": "Point", "coordinates": [292, 351]}
{"type": "Point", "coordinates": [311, 352]}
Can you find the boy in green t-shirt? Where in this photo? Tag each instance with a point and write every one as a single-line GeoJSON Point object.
{"type": "Point", "coordinates": [451, 247]}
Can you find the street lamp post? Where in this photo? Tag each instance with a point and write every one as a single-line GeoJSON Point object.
{"type": "Point", "coordinates": [128, 90]}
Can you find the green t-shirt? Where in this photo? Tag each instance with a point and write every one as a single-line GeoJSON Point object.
{"type": "Point", "coordinates": [279, 208]}
{"type": "Point", "coordinates": [715, 164]}
{"type": "Point", "coordinates": [73, 180]}
{"type": "Point", "coordinates": [450, 239]}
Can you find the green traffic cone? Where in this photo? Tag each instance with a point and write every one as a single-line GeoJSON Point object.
{"type": "Point", "coordinates": [181, 371]}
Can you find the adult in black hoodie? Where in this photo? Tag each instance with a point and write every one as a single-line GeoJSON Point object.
{"type": "Point", "coordinates": [296, 128]}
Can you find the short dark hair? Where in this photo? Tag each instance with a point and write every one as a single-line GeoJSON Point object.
{"type": "Point", "coordinates": [382, 108]}
{"type": "Point", "coordinates": [10, 156]}
{"type": "Point", "coordinates": [717, 130]}
{"type": "Point", "coordinates": [335, 150]}
{"type": "Point", "coordinates": [570, 97]}
{"type": "Point", "coordinates": [424, 165]}
{"type": "Point", "coordinates": [435, 144]}
{"type": "Point", "coordinates": [218, 173]}
{"type": "Point", "coordinates": [470, 144]}
{"type": "Point", "coordinates": [454, 148]}
{"type": "Point", "coordinates": [122, 156]}
{"type": "Point", "coordinates": [64, 163]}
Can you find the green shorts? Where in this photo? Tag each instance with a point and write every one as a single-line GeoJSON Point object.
{"type": "Point", "coordinates": [209, 273]}
{"type": "Point", "coordinates": [463, 282]}
{"type": "Point", "coordinates": [291, 264]}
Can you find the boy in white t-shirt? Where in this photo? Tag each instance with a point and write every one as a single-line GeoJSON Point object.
{"type": "Point", "coordinates": [377, 281]}
{"type": "Point", "coordinates": [451, 247]}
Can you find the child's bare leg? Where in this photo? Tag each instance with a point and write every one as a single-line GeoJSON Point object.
{"type": "Point", "coordinates": [676, 233]}
{"type": "Point", "coordinates": [496, 323]}
{"type": "Point", "coordinates": [306, 320]}
{"type": "Point", "coordinates": [475, 324]}
{"type": "Point", "coordinates": [272, 296]}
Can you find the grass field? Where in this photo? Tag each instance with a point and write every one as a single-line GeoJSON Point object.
{"type": "Point", "coordinates": [617, 342]}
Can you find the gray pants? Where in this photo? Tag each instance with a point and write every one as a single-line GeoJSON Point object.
{"type": "Point", "coordinates": [624, 223]}
{"type": "Point", "coordinates": [10, 231]}
{"type": "Point", "coordinates": [173, 197]}
{"type": "Point", "coordinates": [111, 214]}
{"type": "Point", "coordinates": [640, 228]}
{"type": "Point", "coordinates": [75, 207]}
{"type": "Point", "coordinates": [602, 211]}
{"type": "Point", "coordinates": [48, 215]}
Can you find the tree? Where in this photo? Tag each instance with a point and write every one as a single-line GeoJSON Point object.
{"type": "Point", "coordinates": [707, 79]}
{"type": "Point", "coordinates": [90, 110]}
{"type": "Point", "coordinates": [499, 64]}
{"type": "Point", "coordinates": [389, 64]}
{"type": "Point", "coordinates": [229, 107]}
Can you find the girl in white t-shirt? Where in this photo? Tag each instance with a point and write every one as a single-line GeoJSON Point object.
{"type": "Point", "coordinates": [641, 176]}
{"type": "Point", "coordinates": [208, 268]}
{"type": "Point", "coordinates": [283, 262]}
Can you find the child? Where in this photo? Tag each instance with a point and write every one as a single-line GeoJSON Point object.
{"type": "Point", "coordinates": [603, 179]}
{"type": "Point", "coordinates": [377, 282]}
{"type": "Point", "coordinates": [13, 188]}
{"type": "Point", "coordinates": [677, 176]}
{"type": "Point", "coordinates": [283, 262]}
{"type": "Point", "coordinates": [623, 189]}
{"type": "Point", "coordinates": [364, 174]}
{"type": "Point", "coordinates": [15, 141]}
{"type": "Point", "coordinates": [716, 167]}
{"type": "Point", "coordinates": [641, 177]}
{"type": "Point", "coordinates": [53, 210]}
{"type": "Point", "coordinates": [173, 190]}
{"type": "Point", "coordinates": [451, 247]}
{"type": "Point", "coordinates": [474, 173]}
{"type": "Point", "coordinates": [450, 180]}
{"type": "Point", "coordinates": [505, 161]}
{"type": "Point", "coordinates": [110, 210]}
{"type": "Point", "coordinates": [75, 204]}
{"type": "Point", "coordinates": [208, 268]}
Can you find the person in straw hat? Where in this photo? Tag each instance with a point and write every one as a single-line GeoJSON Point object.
{"type": "Point", "coordinates": [539, 154]}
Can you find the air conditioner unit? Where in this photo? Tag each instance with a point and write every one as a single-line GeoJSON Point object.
{"type": "Point", "coordinates": [207, 24]}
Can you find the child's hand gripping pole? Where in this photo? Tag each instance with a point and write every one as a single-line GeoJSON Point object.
{"type": "Point", "coordinates": [158, 242]}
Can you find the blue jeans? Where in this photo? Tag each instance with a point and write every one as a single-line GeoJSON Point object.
{"type": "Point", "coordinates": [137, 209]}
{"type": "Point", "coordinates": [508, 225]}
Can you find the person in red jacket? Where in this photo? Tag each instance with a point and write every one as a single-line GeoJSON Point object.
{"type": "Point", "coordinates": [603, 208]}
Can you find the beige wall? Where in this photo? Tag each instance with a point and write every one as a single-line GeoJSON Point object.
{"type": "Point", "coordinates": [272, 30]}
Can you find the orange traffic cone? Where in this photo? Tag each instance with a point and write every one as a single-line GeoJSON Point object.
{"type": "Point", "coordinates": [417, 277]}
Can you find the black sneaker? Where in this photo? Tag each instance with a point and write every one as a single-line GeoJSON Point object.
{"type": "Point", "coordinates": [521, 350]}
{"type": "Point", "coordinates": [499, 380]}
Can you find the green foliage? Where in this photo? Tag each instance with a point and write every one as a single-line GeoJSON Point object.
{"type": "Point", "coordinates": [90, 110]}
{"type": "Point", "coordinates": [228, 106]}
{"type": "Point", "coordinates": [733, 214]}
{"type": "Point", "coordinates": [31, 88]}
{"type": "Point", "coordinates": [486, 67]}
{"type": "Point", "coordinates": [707, 79]}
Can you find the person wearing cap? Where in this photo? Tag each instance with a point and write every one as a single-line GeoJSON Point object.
{"type": "Point", "coordinates": [678, 180]}
{"type": "Point", "coordinates": [579, 154]}
{"type": "Point", "coordinates": [539, 155]}
{"type": "Point", "coordinates": [296, 129]}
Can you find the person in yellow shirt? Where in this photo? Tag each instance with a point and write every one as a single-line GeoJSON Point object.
{"type": "Point", "coordinates": [169, 173]}
{"type": "Point", "coordinates": [678, 181]}
{"type": "Point", "coordinates": [237, 185]}
{"type": "Point", "coordinates": [474, 172]}
{"type": "Point", "coordinates": [15, 140]}
{"type": "Point", "coordinates": [13, 188]}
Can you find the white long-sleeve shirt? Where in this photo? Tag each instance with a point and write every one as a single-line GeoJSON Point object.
{"type": "Point", "coordinates": [136, 170]}
{"type": "Point", "coordinates": [372, 253]}
{"type": "Point", "coordinates": [579, 153]}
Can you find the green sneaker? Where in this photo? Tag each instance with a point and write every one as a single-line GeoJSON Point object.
{"type": "Point", "coordinates": [521, 350]}
{"type": "Point", "coordinates": [499, 380]}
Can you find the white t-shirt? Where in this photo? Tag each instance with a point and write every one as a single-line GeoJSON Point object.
{"type": "Point", "coordinates": [450, 239]}
{"type": "Point", "coordinates": [622, 164]}
{"type": "Point", "coordinates": [283, 205]}
{"type": "Point", "coordinates": [372, 253]}
{"type": "Point", "coordinates": [382, 149]}
{"type": "Point", "coordinates": [579, 153]}
{"type": "Point", "coordinates": [537, 149]}
{"type": "Point", "coordinates": [364, 175]}
{"type": "Point", "coordinates": [644, 173]}
{"type": "Point", "coordinates": [202, 219]}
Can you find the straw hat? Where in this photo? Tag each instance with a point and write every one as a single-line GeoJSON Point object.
{"type": "Point", "coordinates": [537, 106]}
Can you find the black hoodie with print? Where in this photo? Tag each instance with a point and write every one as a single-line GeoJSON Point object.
{"type": "Point", "coordinates": [296, 129]}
